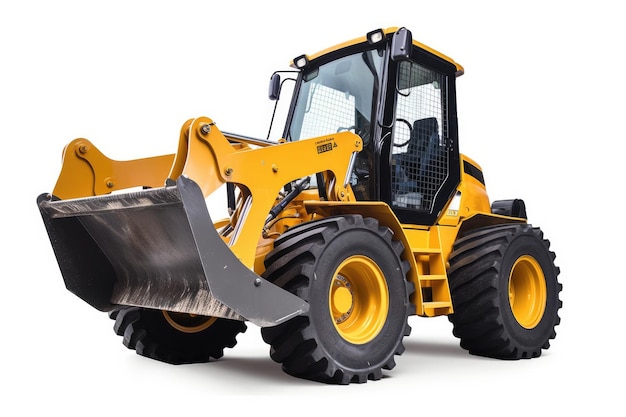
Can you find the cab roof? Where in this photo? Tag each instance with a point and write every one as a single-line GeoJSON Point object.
{"type": "Point", "coordinates": [387, 31]}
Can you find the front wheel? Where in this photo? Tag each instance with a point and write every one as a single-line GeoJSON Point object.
{"type": "Point", "coordinates": [505, 292]}
{"type": "Point", "coordinates": [175, 338]}
{"type": "Point", "coordinates": [349, 270]}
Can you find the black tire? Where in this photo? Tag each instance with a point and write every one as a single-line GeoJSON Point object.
{"type": "Point", "coordinates": [505, 292]}
{"type": "Point", "coordinates": [350, 271]}
{"type": "Point", "coordinates": [175, 338]}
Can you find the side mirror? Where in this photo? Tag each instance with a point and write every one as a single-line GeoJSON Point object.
{"type": "Point", "coordinates": [401, 45]}
{"type": "Point", "coordinates": [274, 90]}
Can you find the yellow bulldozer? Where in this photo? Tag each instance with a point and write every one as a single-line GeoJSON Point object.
{"type": "Point", "coordinates": [362, 214]}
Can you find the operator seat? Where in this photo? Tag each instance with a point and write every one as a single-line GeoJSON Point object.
{"type": "Point", "coordinates": [412, 184]}
{"type": "Point", "coordinates": [422, 147]}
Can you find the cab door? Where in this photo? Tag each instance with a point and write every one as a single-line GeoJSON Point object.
{"type": "Point", "coordinates": [424, 160]}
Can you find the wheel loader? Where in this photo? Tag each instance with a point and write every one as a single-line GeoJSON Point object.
{"type": "Point", "coordinates": [362, 214]}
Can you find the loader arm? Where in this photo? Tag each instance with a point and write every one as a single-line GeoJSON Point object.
{"type": "Point", "coordinates": [86, 171]}
{"type": "Point", "coordinates": [157, 247]}
{"type": "Point", "coordinates": [211, 161]}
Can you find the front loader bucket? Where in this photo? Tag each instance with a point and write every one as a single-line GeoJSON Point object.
{"type": "Point", "coordinates": [158, 248]}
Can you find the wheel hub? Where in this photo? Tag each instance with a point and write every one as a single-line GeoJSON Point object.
{"type": "Point", "coordinates": [527, 291]}
{"type": "Point", "coordinates": [188, 323]}
{"type": "Point", "coordinates": [342, 299]}
{"type": "Point", "coordinates": [358, 299]}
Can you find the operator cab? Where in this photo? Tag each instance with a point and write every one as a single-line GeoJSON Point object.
{"type": "Point", "coordinates": [399, 97]}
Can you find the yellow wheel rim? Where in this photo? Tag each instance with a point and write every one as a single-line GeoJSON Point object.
{"type": "Point", "coordinates": [527, 291]}
{"type": "Point", "coordinates": [188, 323]}
{"type": "Point", "coordinates": [358, 299]}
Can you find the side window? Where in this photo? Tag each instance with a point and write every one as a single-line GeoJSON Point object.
{"type": "Point", "coordinates": [328, 111]}
{"type": "Point", "coordinates": [338, 96]}
{"type": "Point", "coordinates": [420, 156]}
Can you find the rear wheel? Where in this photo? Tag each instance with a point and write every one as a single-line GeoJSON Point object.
{"type": "Point", "coordinates": [505, 292]}
{"type": "Point", "coordinates": [176, 338]}
{"type": "Point", "coordinates": [350, 271]}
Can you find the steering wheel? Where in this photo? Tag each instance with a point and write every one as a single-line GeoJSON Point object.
{"type": "Point", "coordinates": [406, 122]}
{"type": "Point", "coordinates": [343, 129]}
{"type": "Point", "coordinates": [363, 132]}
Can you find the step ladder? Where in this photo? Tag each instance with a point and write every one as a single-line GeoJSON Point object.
{"type": "Point", "coordinates": [433, 290]}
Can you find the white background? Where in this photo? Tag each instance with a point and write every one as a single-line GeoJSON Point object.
{"type": "Point", "coordinates": [540, 109]}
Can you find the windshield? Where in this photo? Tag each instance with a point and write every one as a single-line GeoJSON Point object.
{"type": "Point", "coordinates": [337, 96]}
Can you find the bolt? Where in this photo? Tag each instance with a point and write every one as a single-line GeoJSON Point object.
{"type": "Point", "coordinates": [228, 172]}
{"type": "Point", "coordinates": [83, 149]}
{"type": "Point", "coordinates": [110, 184]}
{"type": "Point", "coordinates": [205, 129]}
{"type": "Point", "coordinates": [274, 168]}
{"type": "Point", "coordinates": [257, 282]}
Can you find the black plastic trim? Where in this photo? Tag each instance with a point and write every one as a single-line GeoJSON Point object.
{"type": "Point", "coordinates": [473, 171]}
